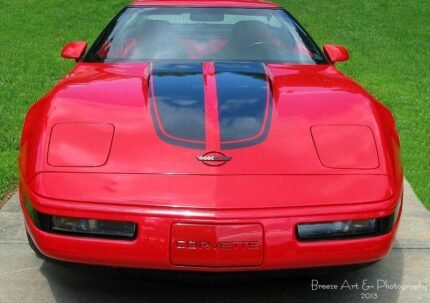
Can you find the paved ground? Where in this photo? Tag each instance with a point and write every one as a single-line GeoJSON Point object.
{"type": "Point", "coordinates": [404, 276]}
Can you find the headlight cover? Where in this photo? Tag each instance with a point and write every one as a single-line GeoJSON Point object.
{"type": "Point", "coordinates": [349, 229]}
{"type": "Point", "coordinates": [336, 229]}
{"type": "Point", "coordinates": [77, 144]}
{"type": "Point", "coordinates": [345, 146]}
{"type": "Point", "coordinates": [92, 227]}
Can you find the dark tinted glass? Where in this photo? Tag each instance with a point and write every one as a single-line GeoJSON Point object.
{"type": "Point", "coordinates": [204, 34]}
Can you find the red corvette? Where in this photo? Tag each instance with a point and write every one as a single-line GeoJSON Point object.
{"type": "Point", "coordinates": [209, 136]}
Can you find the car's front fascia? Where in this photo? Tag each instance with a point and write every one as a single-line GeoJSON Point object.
{"type": "Point", "coordinates": [151, 247]}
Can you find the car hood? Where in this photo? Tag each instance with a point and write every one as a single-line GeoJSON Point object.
{"type": "Point", "coordinates": [211, 119]}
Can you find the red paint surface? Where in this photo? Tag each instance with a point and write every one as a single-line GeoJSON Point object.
{"type": "Point", "coordinates": [74, 50]}
{"type": "Point", "coordinates": [336, 53]}
{"type": "Point", "coordinates": [214, 192]}
{"type": "Point", "coordinates": [221, 245]}
{"type": "Point", "coordinates": [80, 144]}
{"type": "Point", "coordinates": [208, 3]}
{"type": "Point", "coordinates": [346, 146]}
{"type": "Point", "coordinates": [211, 108]}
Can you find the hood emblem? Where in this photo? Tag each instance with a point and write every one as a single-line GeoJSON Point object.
{"type": "Point", "coordinates": [214, 158]}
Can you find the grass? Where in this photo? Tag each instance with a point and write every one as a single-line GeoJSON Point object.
{"type": "Point", "coordinates": [389, 41]}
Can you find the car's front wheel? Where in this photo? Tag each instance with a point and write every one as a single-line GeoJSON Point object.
{"type": "Point", "coordinates": [35, 249]}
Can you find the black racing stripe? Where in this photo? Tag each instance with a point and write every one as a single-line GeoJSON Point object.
{"type": "Point", "coordinates": [245, 110]}
{"type": "Point", "coordinates": [177, 104]}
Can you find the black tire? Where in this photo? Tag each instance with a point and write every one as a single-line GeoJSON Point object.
{"type": "Point", "coordinates": [35, 249]}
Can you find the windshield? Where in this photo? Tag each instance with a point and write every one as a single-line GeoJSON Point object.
{"type": "Point", "coordinates": [204, 34]}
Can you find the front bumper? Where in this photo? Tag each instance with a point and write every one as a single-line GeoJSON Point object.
{"type": "Point", "coordinates": [151, 249]}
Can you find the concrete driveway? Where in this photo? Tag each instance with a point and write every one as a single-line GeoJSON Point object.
{"type": "Point", "coordinates": [404, 276]}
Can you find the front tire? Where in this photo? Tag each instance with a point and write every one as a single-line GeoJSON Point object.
{"type": "Point", "coordinates": [35, 249]}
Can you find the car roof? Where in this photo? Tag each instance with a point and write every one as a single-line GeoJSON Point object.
{"type": "Point", "coordinates": [207, 3]}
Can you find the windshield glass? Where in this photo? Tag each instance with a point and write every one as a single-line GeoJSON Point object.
{"type": "Point", "coordinates": [204, 34]}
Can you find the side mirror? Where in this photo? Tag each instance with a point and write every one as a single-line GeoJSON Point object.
{"type": "Point", "coordinates": [336, 53]}
{"type": "Point", "coordinates": [74, 50]}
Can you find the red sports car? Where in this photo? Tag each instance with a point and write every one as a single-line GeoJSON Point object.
{"type": "Point", "coordinates": [209, 136]}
